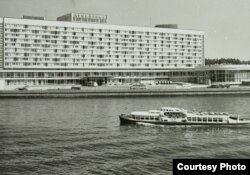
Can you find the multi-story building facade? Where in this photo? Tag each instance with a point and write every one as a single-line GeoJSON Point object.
{"type": "Point", "coordinates": [49, 52]}
{"type": "Point", "coordinates": [72, 51]}
{"type": "Point", "coordinates": [33, 44]}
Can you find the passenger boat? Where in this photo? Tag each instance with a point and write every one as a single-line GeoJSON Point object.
{"type": "Point", "coordinates": [177, 116]}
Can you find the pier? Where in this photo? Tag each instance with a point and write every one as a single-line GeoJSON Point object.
{"type": "Point", "coordinates": [107, 92]}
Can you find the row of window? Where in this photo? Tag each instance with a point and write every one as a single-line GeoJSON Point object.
{"type": "Point", "coordinates": [43, 82]}
{"type": "Point", "coordinates": [109, 42]}
{"type": "Point", "coordinates": [103, 59]}
{"type": "Point", "coordinates": [99, 53]}
{"type": "Point", "coordinates": [90, 74]}
{"type": "Point", "coordinates": [144, 117]}
{"type": "Point", "coordinates": [108, 46]}
{"type": "Point", "coordinates": [205, 119]}
{"type": "Point", "coordinates": [56, 30]}
{"type": "Point", "coordinates": [107, 54]}
{"type": "Point", "coordinates": [82, 49]}
{"type": "Point", "coordinates": [90, 65]}
{"type": "Point", "coordinates": [107, 74]}
{"type": "Point", "coordinates": [84, 36]}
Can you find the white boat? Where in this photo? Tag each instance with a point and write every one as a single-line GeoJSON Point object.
{"type": "Point", "coordinates": [177, 116]}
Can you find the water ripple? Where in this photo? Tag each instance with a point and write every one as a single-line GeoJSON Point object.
{"type": "Point", "coordinates": [83, 136]}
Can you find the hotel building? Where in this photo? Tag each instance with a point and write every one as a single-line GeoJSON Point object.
{"type": "Point", "coordinates": [81, 47]}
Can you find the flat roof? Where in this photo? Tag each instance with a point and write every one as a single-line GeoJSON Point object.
{"type": "Point", "coordinates": [98, 26]}
{"type": "Point", "coordinates": [224, 67]}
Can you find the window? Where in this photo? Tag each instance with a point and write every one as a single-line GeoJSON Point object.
{"type": "Point", "coordinates": [204, 119]}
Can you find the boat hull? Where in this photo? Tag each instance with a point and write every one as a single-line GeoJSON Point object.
{"type": "Point", "coordinates": [126, 121]}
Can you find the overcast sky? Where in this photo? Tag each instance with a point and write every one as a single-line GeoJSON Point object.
{"type": "Point", "coordinates": [226, 22]}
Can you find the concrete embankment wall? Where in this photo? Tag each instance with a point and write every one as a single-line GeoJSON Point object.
{"type": "Point", "coordinates": [128, 92]}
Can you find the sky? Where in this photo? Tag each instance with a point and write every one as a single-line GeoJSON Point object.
{"type": "Point", "coordinates": [226, 23]}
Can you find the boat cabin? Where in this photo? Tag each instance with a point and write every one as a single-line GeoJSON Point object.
{"type": "Point", "coordinates": [143, 117]}
{"type": "Point", "coordinates": [151, 115]}
{"type": "Point", "coordinates": [175, 114]}
{"type": "Point", "coordinates": [207, 119]}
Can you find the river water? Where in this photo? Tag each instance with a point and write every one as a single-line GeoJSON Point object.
{"type": "Point", "coordinates": [83, 135]}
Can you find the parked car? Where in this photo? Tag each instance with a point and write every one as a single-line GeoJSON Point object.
{"type": "Point", "coordinates": [214, 86]}
{"type": "Point", "coordinates": [138, 86]}
{"type": "Point", "coordinates": [25, 88]}
{"type": "Point", "coordinates": [92, 84]}
{"type": "Point", "coordinates": [76, 87]}
{"type": "Point", "coordinates": [225, 85]}
{"type": "Point", "coordinates": [219, 86]}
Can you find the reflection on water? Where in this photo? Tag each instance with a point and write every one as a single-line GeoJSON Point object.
{"type": "Point", "coordinates": [83, 136]}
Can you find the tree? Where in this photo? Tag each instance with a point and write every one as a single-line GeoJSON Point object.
{"type": "Point", "coordinates": [225, 61]}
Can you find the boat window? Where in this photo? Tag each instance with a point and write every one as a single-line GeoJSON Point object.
{"type": "Point", "coordinates": [194, 119]}
{"type": "Point", "coordinates": [189, 118]}
{"type": "Point", "coordinates": [156, 118]}
{"type": "Point", "coordinates": [151, 118]}
{"type": "Point", "coordinates": [220, 120]}
{"type": "Point", "coordinates": [142, 118]}
{"type": "Point", "coordinates": [234, 118]}
{"type": "Point", "coordinates": [183, 115]}
{"type": "Point", "coordinates": [146, 118]}
{"type": "Point", "coordinates": [199, 119]}
{"type": "Point", "coordinates": [209, 119]}
{"type": "Point", "coordinates": [175, 114]}
{"type": "Point", "coordinates": [214, 119]}
{"type": "Point", "coordinates": [133, 116]}
{"type": "Point", "coordinates": [204, 119]}
{"type": "Point", "coordinates": [167, 113]}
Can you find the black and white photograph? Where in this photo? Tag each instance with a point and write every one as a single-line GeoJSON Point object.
{"type": "Point", "coordinates": [124, 87]}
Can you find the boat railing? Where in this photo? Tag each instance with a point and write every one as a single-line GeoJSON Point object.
{"type": "Point", "coordinates": [170, 109]}
{"type": "Point", "coordinates": [211, 113]}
